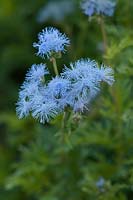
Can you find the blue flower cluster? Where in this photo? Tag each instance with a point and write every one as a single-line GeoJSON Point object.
{"type": "Point", "coordinates": [103, 7]}
{"type": "Point", "coordinates": [51, 41]}
{"type": "Point", "coordinates": [56, 10]}
{"type": "Point", "coordinates": [74, 88]}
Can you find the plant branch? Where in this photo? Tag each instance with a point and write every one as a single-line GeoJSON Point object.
{"type": "Point", "coordinates": [53, 60]}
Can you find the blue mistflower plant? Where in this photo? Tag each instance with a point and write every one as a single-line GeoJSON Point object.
{"type": "Point", "coordinates": [98, 7]}
{"type": "Point", "coordinates": [73, 89]}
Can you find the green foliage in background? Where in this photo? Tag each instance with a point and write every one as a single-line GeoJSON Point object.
{"type": "Point", "coordinates": [44, 162]}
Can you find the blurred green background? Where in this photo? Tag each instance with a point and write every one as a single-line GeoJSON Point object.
{"type": "Point", "coordinates": [92, 158]}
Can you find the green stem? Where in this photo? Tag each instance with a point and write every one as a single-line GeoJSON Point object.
{"type": "Point", "coordinates": [64, 120]}
{"type": "Point", "coordinates": [53, 60]}
{"type": "Point", "coordinates": [102, 25]}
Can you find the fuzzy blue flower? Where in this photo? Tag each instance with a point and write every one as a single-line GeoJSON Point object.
{"type": "Point", "coordinates": [56, 10]}
{"type": "Point", "coordinates": [36, 102]}
{"type": "Point", "coordinates": [32, 92]}
{"type": "Point", "coordinates": [85, 77]}
{"type": "Point", "coordinates": [27, 89]}
{"type": "Point", "coordinates": [98, 7]}
{"type": "Point", "coordinates": [23, 108]}
{"type": "Point", "coordinates": [44, 110]}
{"type": "Point", "coordinates": [36, 72]}
{"type": "Point", "coordinates": [58, 88]}
{"type": "Point", "coordinates": [100, 183]}
{"type": "Point", "coordinates": [51, 41]}
{"type": "Point", "coordinates": [106, 74]}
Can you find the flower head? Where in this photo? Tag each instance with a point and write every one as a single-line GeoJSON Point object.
{"type": "Point", "coordinates": [24, 105]}
{"type": "Point", "coordinates": [36, 72]}
{"type": "Point", "coordinates": [51, 40]}
{"type": "Point", "coordinates": [100, 183]}
{"type": "Point", "coordinates": [85, 77]}
{"type": "Point", "coordinates": [106, 74]}
{"type": "Point", "coordinates": [44, 110]}
{"type": "Point", "coordinates": [23, 108]}
{"type": "Point", "coordinates": [98, 7]}
{"type": "Point", "coordinates": [58, 88]}
{"type": "Point", "coordinates": [32, 96]}
{"type": "Point", "coordinates": [56, 10]}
